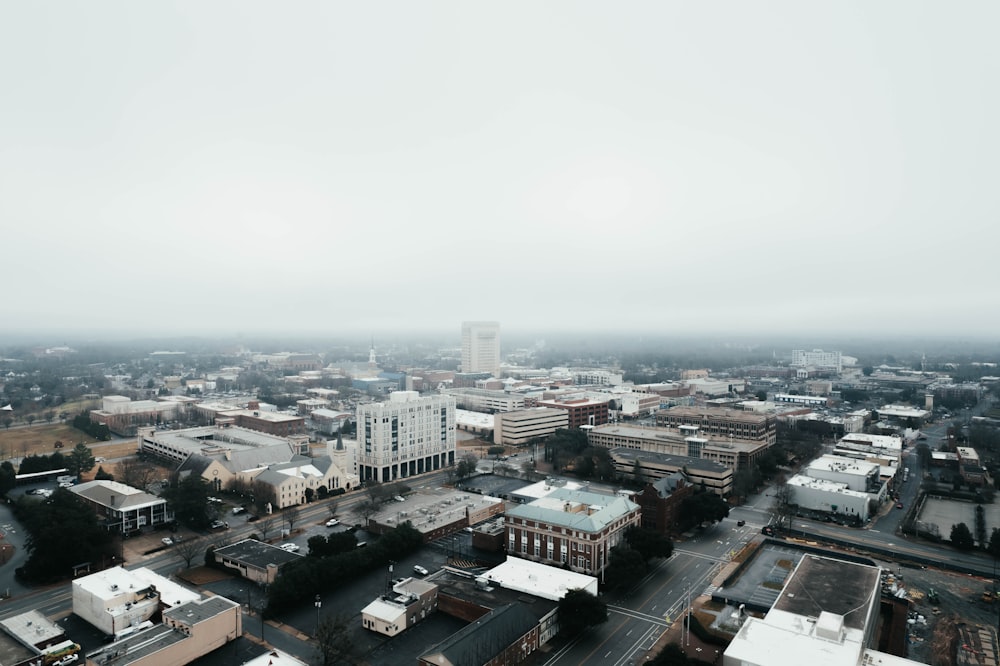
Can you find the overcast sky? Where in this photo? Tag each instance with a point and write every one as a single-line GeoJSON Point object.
{"type": "Point", "coordinates": [206, 167]}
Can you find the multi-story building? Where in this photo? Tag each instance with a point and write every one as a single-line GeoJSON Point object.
{"type": "Point", "coordinates": [526, 425]}
{"type": "Point", "coordinates": [485, 400]}
{"type": "Point", "coordinates": [572, 528]}
{"type": "Point", "coordinates": [687, 441]}
{"type": "Point", "coordinates": [817, 358]}
{"type": "Point", "coordinates": [405, 435]}
{"type": "Point", "coordinates": [581, 411]}
{"type": "Point", "coordinates": [722, 423]}
{"type": "Point", "coordinates": [653, 467]}
{"type": "Point", "coordinates": [121, 508]}
{"type": "Point", "coordinates": [661, 502]}
{"type": "Point", "coordinates": [481, 347]}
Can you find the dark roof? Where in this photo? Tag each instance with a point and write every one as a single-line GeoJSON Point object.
{"type": "Point", "coordinates": [668, 485]}
{"type": "Point", "coordinates": [256, 553]}
{"type": "Point", "coordinates": [484, 639]}
{"type": "Point", "coordinates": [835, 586]}
{"type": "Point", "coordinates": [703, 464]}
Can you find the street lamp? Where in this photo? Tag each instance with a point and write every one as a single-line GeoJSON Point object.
{"type": "Point", "coordinates": [319, 604]}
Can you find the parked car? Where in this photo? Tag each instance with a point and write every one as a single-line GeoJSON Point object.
{"type": "Point", "coordinates": [333, 522]}
{"type": "Point", "coordinates": [252, 518]}
{"type": "Point", "coordinates": [167, 541]}
{"type": "Point", "coordinates": [67, 660]}
{"type": "Point", "coordinates": [419, 570]}
{"type": "Point", "coordinates": [399, 498]}
{"type": "Point", "coordinates": [290, 547]}
{"type": "Point", "coordinates": [740, 523]}
{"type": "Point", "coordinates": [899, 505]}
{"type": "Point", "coordinates": [237, 510]}
{"type": "Point", "coordinates": [220, 525]}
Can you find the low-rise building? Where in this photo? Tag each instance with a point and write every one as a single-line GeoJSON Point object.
{"type": "Point", "coordinates": [660, 502]}
{"type": "Point", "coordinates": [254, 560]}
{"type": "Point", "coordinates": [687, 441]}
{"type": "Point", "coordinates": [581, 411]}
{"type": "Point", "coordinates": [576, 529]}
{"type": "Point", "coordinates": [701, 473]}
{"type": "Point", "coordinates": [722, 423]}
{"type": "Point", "coordinates": [118, 599]}
{"type": "Point", "coordinates": [827, 496]}
{"type": "Point", "coordinates": [410, 601]}
{"type": "Point", "coordinates": [121, 508]}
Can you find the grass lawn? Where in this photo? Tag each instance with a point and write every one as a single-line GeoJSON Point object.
{"type": "Point", "coordinates": [39, 440]}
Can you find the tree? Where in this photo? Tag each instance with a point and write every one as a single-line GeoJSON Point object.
{"type": "Point", "coordinates": [136, 472]}
{"type": "Point", "coordinates": [783, 507]}
{"type": "Point", "coordinates": [30, 418]}
{"type": "Point", "coordinates": [994, 546]}
{"type": "Point", "coordinates": [7, 477]}
{"type": "Point", "coordinates": [961, 537]}
{"type": "Point", "coordinates": [188, 499]}
{"type": "Point", "coordinates": [52, 526]}
{"type": "Point", "coordinates": [626, 565]}
{"type": "Point", "coordinates": [580, 610]}
{"type": "Point", "coordinates": [189, 549]}
{"type": "Point", "coordinates": [7, 420]}
{"type": "Point", "coordinates": [291, 516]}
{"type": "Point", "coordinates": [333, 640]}
{"type": "Point", "coordinates": [332, 507]}
{"type": "Point", "coordinates": [265, 525]}
{"type": "Point", "coordinates": [310, 494]}
{"type": "Point", "coordinates": [103, 476]}
{"type": "Point", "coordinates": [702, 507]}
{"type": "Point", "coordinates": [638, 476]}
{"type": "Point", "coordinates": [650, 543]}
{"type": "Point", "coordinates": [80, 460]}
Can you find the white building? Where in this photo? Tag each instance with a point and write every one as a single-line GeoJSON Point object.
{"type": "Point", "coordinates": [405, 435]}
{"type": "Point", "coordinates": [856, 474]}
{"type": "Point", "coordinates": [486, 400]}
{"type": "Point", "coordinates": [116, 599]}
{"type": "Point", "coordinates": [829, 496]}
{"type": "Point", "coordinates": [481, 347]}
{"type": "Point", "coordinates": [817, 358]}
{"type": "Point", "coordinates": [520, 427]}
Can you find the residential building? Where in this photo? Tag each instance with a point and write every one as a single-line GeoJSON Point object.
{"type": "Point", "coordinates": [576, 529]}
{"type": "Point", "coordinates": [524, 426]}
{"type": "Point", "coordinates": [481, 347]}
{"type": "Point", "coordinates": [121, 508]}
{"type": "Point", "coordinates": [405, 435]}
{"type": "Point", "coordinates": [581, 411]}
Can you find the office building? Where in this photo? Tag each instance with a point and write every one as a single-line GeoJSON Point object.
{"type": "Point", "coordinates": [524, 426]}
{"type": "Point", "coordinates": [481, 347]}
{"type": "Point", "coordinates": [405, 435]}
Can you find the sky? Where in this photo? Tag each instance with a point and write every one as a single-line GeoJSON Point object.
{"type": "Point", "coordinates": [672, 167]}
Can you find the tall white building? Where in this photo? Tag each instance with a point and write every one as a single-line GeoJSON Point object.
{"type": "Point", "coordinates": [405, 435]}
{"type": "Point", "coordinates": [817, 358]}
{"type": "Point", "coordinates": [481, 347]}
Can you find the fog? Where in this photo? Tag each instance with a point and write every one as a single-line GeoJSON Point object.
{"type": "Point", "coordinates": [648, 169]}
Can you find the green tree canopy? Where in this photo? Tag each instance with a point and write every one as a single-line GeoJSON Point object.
{"type": "Point", "coordinates": [703, 507]}
{"type": "Point", "coordinates": [579, 610]}
{"type": "Point", "coordinates": [650, 543]}
{"type": "Point", "coordinates": [52, 526]}
{"type": "Point", "coordinates": [188, 499]}
{"type": "Point", "coordinates": [961, 537]}
{"type": "Point", "coordinates": [80, 460]}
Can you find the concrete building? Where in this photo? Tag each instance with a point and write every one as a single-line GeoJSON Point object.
{"type": "Point", "coordinates": [117, 599]}
{"type": "Point", "coordinates": [410, 601]}
{"type": "Point", "coordinates": [520, 427]}
{"type": "Point", "coordinates": [581, 411]}
{"type": "Point", "coordinates": [817, 358]}
{"type": "Point", "coordinates": [828, 496]}
{"type": "Point", "coordinates": [188, 632]}
{"type": "Point", "coordinates": [404, 436]}
{"type": "Point", "coordinates": [121, 508]}
{"type": "Point", "coordinates": [254, 560]}
{"type": "Point", "coordinates": [722, 423]}
{"type": "Point", "coordinates": [827, 614]}
{"type": "Point", "coordinates": [686, 441]}
{"type": "Point", "coordinates": [576, 529]}
{"type": "Point", "coordinates": [435, 514]}
{"type": "Point", "coordinates": [124, 416]}
{"type": "Point", "coordinates": [481, 347]}
{"type": "Point", "coordinates": [700, 472]}
{"type": "Point", "coordinates": [485, 400]}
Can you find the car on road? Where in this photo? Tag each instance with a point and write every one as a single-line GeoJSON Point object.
{"type": "Point", "coordinates": [740, 523]}
{"type": "Point", "coordinates": [333, 522]}
{"type": "Point", "coordinates": [167, 541]}
{"type": "Point", "coordinates": [220, 525]}
{"type": "Point", "coordinates": [399, 498]}
{"type": "Point", "coordinates": [237, 510]}
{"type": "Point", "coordinates": [899, 505]}
{"type": "Point", "coordinates": [289, 547]}
{"type": "Point", "coordinates": [419, 570]}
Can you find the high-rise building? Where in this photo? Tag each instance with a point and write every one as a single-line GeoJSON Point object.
{"type": "Point", "coordinates": [481, 347]}
{"type": "Point", "coordinates": [405, 435]}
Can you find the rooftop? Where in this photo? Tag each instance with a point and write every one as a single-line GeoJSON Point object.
{"type": "Point", "coordinates": [256, 553]}
{"type": "Point", "coordinates": [576, 509]}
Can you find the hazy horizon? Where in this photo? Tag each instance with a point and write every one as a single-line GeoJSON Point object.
{"type": "Point", "coordinates": [218, 169]}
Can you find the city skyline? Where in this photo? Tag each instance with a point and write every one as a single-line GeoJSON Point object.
{"type": "Point", "coordinates": [654, 168]}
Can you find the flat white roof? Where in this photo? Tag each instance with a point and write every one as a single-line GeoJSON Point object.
{"type": "Point", "coordinates": [387, 611]}
{"type": "Point", "coordinates": [274, 657]}
{"type": "Point", "coordinates": [548, 486]}
{"type": "Point", "coordinates": [539, 579]}
{"type": "Point", "coordinates": [470, 418]}
{"type": "Point", "coordinates": [803, 481]}
{"type": "Point", "coordinates": [103, 585]}
{"type": "Point", "coordinates": [843, 465]}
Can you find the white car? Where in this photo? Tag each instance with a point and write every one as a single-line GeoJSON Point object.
{"type": "Point", "coordinates": [68, 659]}
{"type": "Point", "coordinates": [333, 522]}
{"type": "Point", "coordinates": [167, 541]}
{"type": "Point", "coordinates": [419, 570]}
{"type": "Point", "coordinates": [289, 547]}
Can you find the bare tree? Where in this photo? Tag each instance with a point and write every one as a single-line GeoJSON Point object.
{"type": "Point", "coordinates": [265, 525]}
{"type": "Point", "coordinates": [783, 507]}
{"type": "Point", "coordinates": [135, 472]}
{"type": "Point", "coordinates": [366, 510]}
{"type": "Point", "coordinates": [333, 637]}
{"type": "Point", "coordinates": [332, 507]}
{"type": "Point", "coordinates": [189, 549]}
{"type": "Point", "coordinates": [291, 516]}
